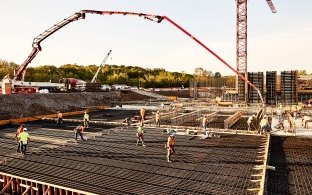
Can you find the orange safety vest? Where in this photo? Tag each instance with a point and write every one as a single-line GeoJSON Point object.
{"type": "Point", "coordinates": [142, 112]}
{"type": "Point", "coordinates": [19, 131]}
{"type": "Point", "coordinates": [157, 116]}
{"type": "Point", "coordinates": [170, 141]}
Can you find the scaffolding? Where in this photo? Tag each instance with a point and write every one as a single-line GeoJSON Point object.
{"type": "Point", "coordinates": [210, 87]}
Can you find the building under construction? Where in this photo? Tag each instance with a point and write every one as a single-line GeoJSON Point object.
{"type": "Point", "coordinates": [286, 87]}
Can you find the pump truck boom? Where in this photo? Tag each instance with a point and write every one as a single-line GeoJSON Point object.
{"type": "Point", "coordinates": [100, 68]}
{"type": "Point", "coordinates": [19, 74]}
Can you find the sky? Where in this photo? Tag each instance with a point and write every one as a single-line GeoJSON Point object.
{"type": "Point", "coordinates": [276, 42]}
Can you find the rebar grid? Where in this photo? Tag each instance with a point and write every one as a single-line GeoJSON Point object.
{"type": "Point", "coordinates": [292, 159]}
{"type": "Point", "coordinates": [113, 164]}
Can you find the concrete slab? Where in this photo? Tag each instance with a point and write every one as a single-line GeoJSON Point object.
{"type": "Point", "coordinates": [300, 130]}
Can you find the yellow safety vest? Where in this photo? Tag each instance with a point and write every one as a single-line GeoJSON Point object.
{"type": "Point", "coordinates": [86, 116]}
{"type": "Point", "coordinates": [264, 122]}
{"type": "Point", "coordinates": [23, 137]}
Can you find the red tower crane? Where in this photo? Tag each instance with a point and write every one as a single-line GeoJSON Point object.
{"type": "Point", "coordinates": [241, 45]}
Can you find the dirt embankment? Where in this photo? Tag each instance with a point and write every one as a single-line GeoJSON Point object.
{"type": "Point", "coordinates": [25, 105]}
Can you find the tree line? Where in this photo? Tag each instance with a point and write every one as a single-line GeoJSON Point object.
{"type": "Point", "coordinates": [113, 74]}
{"type": "Point", "coordinates": [110, 74]}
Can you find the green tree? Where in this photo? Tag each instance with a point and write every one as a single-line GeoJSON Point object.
{"type": "Point", "coordinates": [217, 74]}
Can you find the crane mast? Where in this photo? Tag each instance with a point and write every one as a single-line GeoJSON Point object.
{"type": "Point", "coordinates": [100, 68]}
{"type": "Point", "coordinates": [241, 45]}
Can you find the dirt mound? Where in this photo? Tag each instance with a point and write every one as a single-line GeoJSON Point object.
{"type": "Point", "coordinates": [25, 105]}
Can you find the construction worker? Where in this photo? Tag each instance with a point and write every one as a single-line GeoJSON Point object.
{"type": "Point", "coordinates": [59, 118]}
{"type": "Point", "coordinates": [157, 119]}
{"type": "Point", "coordinates": [205, 122]}
{"type": "Point", "coordinates": [170, 107]}
{"type": "Point", "coordinates": [139, 134]}
{"type": "Point", "coordinates": [280, 112]}
{"type": "Point", "coordinates": [142, 114]}
{"type": "Point", "coordinates": [24, 139]}
{"type": "Point", "coordinates": [86, 119]}
{"type": "Point", "coordinates": [162, 105]}
{"type": "Point", "coordinates": [78, 130]}
{"type": "Point", "coordinates": [280, 116]}
{"type": "Point", "coordinates": [304, 121]}
{"type": "Point", "coordinates": [250, 121]}
{"type": "Point", "coordinates": [170, 145]}
{"type": "Point", "coordinates": [264, 124]}
{"type": "Point", "coordinates": [18, 132]}
{"type": "Point", "coordinates": [294, 111]}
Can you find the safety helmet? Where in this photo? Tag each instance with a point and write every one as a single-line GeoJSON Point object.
{"type": "Point", "coordinates": [265, 116]}
{"type": "Point", "coordinates": [25, 129]}
{"type": "Point", "coordinates": [253, 115]}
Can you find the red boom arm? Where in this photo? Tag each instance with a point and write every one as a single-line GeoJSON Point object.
{"type": "Point", "coordinates": [21, 70]}
{"type": "Point", "coordinates": [81, 15]}
{"type": "Point", "coordinates": [270, 3]}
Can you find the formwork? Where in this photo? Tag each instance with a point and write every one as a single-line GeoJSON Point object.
{"type": "Point", "coordinates": [289, 87]}
{"type": "Point", "coordinates": [271, 78]}
{"type": "Point", "coordinates": [257, 79]}
{"type": "Point", "coordinates": [209, 86]}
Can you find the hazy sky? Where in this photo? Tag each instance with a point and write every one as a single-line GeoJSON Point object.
{"type": "Point", "coordinates": [281, 41]}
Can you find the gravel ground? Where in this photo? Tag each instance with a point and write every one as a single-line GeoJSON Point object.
{"type": "Point", "coordinates": [25, 105]}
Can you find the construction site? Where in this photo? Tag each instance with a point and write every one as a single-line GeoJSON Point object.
{"type": "Point", "coordinates": [251, 138]}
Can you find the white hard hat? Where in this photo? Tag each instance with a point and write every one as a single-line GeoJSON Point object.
{"type": "Point", "coordinates": [265, 116]}
{"type": "Point", "coordinates": [25, 129]}
{"type": "Point", "coordinates": [253, 115]}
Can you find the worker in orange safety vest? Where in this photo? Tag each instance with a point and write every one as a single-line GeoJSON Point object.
{"type": "Point", "coordinates": [170, 145]}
